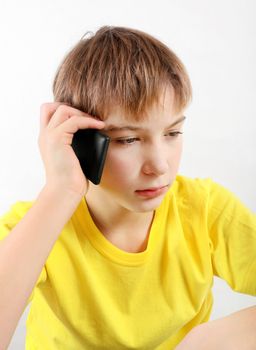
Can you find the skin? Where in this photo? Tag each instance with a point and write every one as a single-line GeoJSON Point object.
{"type": "Point", "coordinates": [236, 331]}
{"type": "Point", "coordinates": [149, 157]}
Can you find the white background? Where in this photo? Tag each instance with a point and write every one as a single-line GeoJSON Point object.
{"type": "Point", "coordinates": [215, 40]}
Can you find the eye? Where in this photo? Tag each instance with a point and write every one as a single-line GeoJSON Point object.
{"type": "Point", "coordinates": [128, 141]}
{"type": "Point", "coordinates": [174, 133]}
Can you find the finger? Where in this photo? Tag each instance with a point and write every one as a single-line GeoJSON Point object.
{"type": "Point", "coordinates": [46, 112]}
{"type": "Point", "coordinates": [75, 123]}
{"type": "Point", "coordinates": [62, 114]}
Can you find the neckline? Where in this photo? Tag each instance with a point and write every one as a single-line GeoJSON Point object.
{"type": "Point", "coordinates": [108, 249]}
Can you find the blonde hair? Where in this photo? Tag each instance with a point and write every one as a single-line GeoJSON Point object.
{"type": "Point", "coordinates": [122, 67]}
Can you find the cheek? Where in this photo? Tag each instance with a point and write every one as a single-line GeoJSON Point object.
{"type": "Point", "coordinates": [179, 151]}
{"type": "Point", "coordinates": [175, 157]}
{"type": "Point", "coordinates": [119, 168]}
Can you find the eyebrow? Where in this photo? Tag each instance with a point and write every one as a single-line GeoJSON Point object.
{"type": "Point", "coordinates": [136, 128]}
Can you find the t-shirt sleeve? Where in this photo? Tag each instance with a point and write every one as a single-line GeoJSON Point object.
{"type": "Point", "coordinates": [8, 221]}
{"type": "Point", "coordinates": [232, 231]}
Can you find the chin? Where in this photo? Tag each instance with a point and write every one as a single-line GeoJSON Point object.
{"type": "Point", "coordinates": [147, 205]}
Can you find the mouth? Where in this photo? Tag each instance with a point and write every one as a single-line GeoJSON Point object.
{"type": "Point", "coordinates": [152, 191]}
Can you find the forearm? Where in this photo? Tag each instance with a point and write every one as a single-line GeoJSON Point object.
{"type": "Point", "coordinates": [24, 251]}
{"type": "Point", "coordinates": [236, 331]}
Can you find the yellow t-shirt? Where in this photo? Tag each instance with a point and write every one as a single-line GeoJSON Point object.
{"type": "Point", "coordinates": [93, 295]}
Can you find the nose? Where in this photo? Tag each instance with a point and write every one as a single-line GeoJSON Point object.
{"type": "Point", "coordinates": [155, 161]}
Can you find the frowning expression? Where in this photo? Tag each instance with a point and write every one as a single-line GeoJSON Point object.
{"type": "Point", "coordinates": [143, 157]}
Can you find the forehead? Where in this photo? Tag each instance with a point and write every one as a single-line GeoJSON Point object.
{"type": "Point", "coordinates": [161, 112]}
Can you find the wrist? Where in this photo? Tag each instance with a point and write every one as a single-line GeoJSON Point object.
{"type": "Point", "coordinates": [62, 194]}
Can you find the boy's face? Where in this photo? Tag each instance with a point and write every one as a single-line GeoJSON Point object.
{"type": "Point", "coordinates": [143, 157]}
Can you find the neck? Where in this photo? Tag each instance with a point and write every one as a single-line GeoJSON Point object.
{"type": "Point", "coordinates": [110, 217]}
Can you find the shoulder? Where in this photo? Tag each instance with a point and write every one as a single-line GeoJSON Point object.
{"type": "Point", "coordinates": [204, 194]}
{"type": "Point", "coordinates": [184, 187]}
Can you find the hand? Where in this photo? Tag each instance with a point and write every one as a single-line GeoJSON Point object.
{"type": "Point", "coordinates": [58, 123]}
{"type": "Point", "coordinates": [189, 342]}
{"type": "Point", "coordinates": [236, 331]}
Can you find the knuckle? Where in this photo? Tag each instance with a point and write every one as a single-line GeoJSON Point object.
{"type": "Point", "coordinates": [63, 108]}
{"type": "Point", "coordinates": [45, 107]}
{"type": "Point", "coordinates": [67, 139]}
{"type": "Point", "coordinates": [49, 106]}
{"type": "Point", "coordinates": [73, 118]}
{"type": "Point", "coordinates": [42, 116]}
{"type": "Point", "coordinates": [41, 137]}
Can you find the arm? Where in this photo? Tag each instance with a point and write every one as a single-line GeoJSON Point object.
{"type": "Point", "coordinates": [235, 331]}
{"type": "Point", "coordinates": [24, 251]}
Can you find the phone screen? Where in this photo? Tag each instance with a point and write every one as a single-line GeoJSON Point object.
{"type": "Point", "coordinates": [90, 147]}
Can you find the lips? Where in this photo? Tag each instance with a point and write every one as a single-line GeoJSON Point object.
{"type": "Point", "coordinates": [152, 191]}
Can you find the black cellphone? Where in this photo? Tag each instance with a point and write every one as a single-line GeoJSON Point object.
{"type": "Point", "coordinates": [90, 147]}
